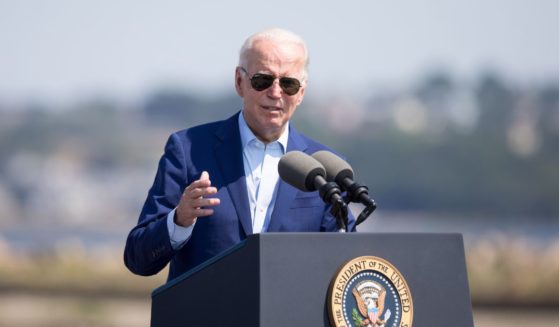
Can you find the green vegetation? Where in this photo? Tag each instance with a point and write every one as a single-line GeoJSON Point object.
{"type": "Point", "coordinates": [441, 149]}
{"type": "Point", "coordinates": [490, 148]}
{"type": "Point", "coordinates": [501, 270]}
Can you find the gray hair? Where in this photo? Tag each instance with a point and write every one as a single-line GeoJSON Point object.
{"type": "Point", "coordinates": [275, 34]}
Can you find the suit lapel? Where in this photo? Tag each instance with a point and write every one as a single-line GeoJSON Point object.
{"type": "Point", "coordinates": [286, 193]}
{"type": "Point", "coordinates": [229, 154]}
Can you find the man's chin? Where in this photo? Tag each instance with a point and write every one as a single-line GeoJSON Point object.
{"type": "Point", "coordinates": [271, 127]}
{"type": "Point", "coordinates": [273, 114]}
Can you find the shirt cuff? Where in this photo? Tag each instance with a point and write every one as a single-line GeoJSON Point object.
{"type": "Point", "coordinates": [177, 234]}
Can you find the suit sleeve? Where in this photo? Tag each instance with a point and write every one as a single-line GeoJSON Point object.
{"type": "Point", "coordinates": [148, 247]}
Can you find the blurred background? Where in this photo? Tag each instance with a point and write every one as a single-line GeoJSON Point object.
{"type": "Point", "coordinates": [448, 111]}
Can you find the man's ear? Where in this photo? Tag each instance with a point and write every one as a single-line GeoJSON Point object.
{"type": "Point", "coordinates": [238, 82]}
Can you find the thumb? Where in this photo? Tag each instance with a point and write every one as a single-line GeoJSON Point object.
{"type": "Point", "coordinates": [204, 175]}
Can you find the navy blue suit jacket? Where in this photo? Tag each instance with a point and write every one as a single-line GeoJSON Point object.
{"type": "Point", "coordinates": [216, 148]}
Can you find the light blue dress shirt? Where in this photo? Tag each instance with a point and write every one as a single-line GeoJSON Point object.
{"type": "Point", "coordinates": [260, 163]}
{"type": "Point", "coordinates": [261, 170]}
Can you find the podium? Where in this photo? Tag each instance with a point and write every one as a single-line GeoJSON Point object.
{"type": "Point", "coordinates": [283, 279]}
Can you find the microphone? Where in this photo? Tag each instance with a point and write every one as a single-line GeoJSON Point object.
{"type": "Point", "coordinates": [340, 172]}
{"type": "Point", "coordinates": [301, 171]}
{"type": "Point", "coordinates": [307, 174]}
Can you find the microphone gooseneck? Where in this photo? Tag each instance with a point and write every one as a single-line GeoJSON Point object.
{"type": "Point", "coordinates": [340, 172]}
{"type": "Point", "coordinates": [305, 173]}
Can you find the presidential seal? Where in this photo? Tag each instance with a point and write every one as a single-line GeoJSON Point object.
{"type": "Point", "coordinates": [369, 292]}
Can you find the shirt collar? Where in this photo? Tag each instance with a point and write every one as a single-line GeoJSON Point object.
{"type": "Point", "coordinates": [247, 135]}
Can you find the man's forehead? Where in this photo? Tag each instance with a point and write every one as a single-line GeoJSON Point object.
{"type": "Point", "coordinates": [270, 48]}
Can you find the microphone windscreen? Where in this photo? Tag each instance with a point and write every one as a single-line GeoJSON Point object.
{"type": "Point", "coordinates": [299, 170]}
{"type": "Point", "coordinates": [336, 168]}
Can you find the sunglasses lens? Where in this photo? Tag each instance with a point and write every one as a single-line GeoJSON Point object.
{"type": "Point", "coordinates": [260, 82]}
{"type": "Point", "coordinates": [290, 85]}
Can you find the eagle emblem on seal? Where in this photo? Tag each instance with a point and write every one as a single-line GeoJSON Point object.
{"type": "Point", "coordinates": [370, 297]}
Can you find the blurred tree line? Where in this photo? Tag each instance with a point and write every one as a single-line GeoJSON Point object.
{"type": "Point", "coordinates": [442, 146]}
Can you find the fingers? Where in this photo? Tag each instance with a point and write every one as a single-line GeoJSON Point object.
{"type": "Point", "coordinates": [197, 192]}
{"type": "Point", "coordinates": [200, 187]}
{"type": "Point", "coordinates": [204, 202]}
{"type": "Point", "coordinates": [205, 176]}
{"type": "Point", "coordinates": [199, 183]}
{"type": "Point", "coordinates": [195, 201]}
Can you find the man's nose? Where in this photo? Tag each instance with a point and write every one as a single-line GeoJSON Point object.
{"type": "Point", "coordinates": [275, 90]}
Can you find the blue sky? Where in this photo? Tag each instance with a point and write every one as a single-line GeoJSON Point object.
{"type": "Point", "coordinates": [66, 49]}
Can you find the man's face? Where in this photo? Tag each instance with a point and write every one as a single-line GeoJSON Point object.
{"type": "Point", "coordinates": [267, 112]}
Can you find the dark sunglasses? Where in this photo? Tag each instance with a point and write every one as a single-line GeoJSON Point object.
{"type": "Point", "coordinates": [260, 82]}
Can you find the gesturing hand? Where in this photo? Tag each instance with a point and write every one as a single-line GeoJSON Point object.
{"type": "Point", "coordinates": [193, 203]}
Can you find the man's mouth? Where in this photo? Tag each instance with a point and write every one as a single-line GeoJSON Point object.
{"type": "Point", "coordinates": [272, 108]}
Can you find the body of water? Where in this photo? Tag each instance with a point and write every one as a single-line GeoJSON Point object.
{"type": "Point", "coordinates": [537, 230]}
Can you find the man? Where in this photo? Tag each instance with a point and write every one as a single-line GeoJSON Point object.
{"type": "Point", "coordinates": [217, 183]}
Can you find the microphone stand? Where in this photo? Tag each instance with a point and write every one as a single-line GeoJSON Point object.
{"type": "Point", "coordinates": [359, 193]}
{"type": "Point", "coordinates": [331, 193]}
{"type": "Point", "coordinates": [340, 211]}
